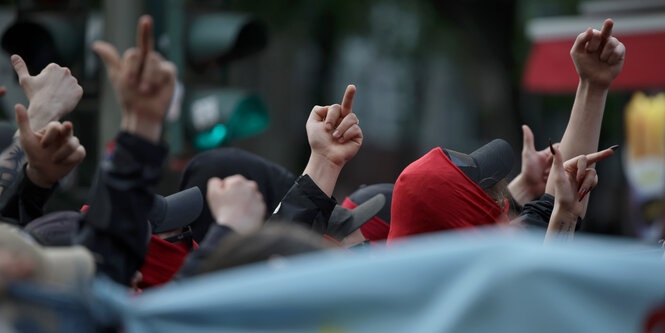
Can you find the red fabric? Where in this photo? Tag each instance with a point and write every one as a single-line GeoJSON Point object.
{"type": "Point", "coordinates": [162, 261]}
{"type": "Point", "coordinates": [549, 68]}
{"type": "Point", "coordinates": [375, 229]}
{"type": "Point", "coordinates": [432, 194]}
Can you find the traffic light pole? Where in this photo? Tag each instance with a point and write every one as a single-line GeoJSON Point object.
{"type": "Point", "coordinates": [117, 31]}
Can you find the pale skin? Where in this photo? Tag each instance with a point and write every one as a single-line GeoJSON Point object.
{"type": "Point", "coordinates": [143, 82]}
{"type": "Point", "coordinates": [52, 152]}
{"type": "Point", "coordinates": [571, 182]}
{"type": "Point", "coordinates": [52, 94]}
{"type": "Point", "coordinates": [598, 59]}
{"type": "Point", "coordinates": [237, 203]}
{"type": "Point", "coordinates": [334, 137]}
{"type": "Point", "coordinates": [531, 182]}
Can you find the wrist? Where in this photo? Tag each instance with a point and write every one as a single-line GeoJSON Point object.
{"type": "Point", "coordinates": [34, 176]}
{"type": "Point", "coordinates": [521, 191]}
{"type": "Point", "coordinates": [564, 212]}
{"type": "Point", "coordinates": [146, 128]}
{"type": "Point", "coordinates": [323, 172]}
{"type": "Point", "coordinates": [593, 87]}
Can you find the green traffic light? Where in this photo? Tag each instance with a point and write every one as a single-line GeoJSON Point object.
{"type": "Point", "coordinates": [211, 138]}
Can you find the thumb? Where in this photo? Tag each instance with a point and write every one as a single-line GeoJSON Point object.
{"type": "Point", "coordinates": [109, 55]}
{"type": "Point", "coordinates": [23, 122]}
{"type": "Point", "coordinates": [20, 67]}
{"type": "Point", "coordinates": [527, 143]}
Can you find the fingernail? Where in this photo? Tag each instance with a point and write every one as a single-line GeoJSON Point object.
{"type": "Point", "coordinates": [335, 133]}
{"type": "Point", "coordinates": [582, 194]}
{"type": "Point", "coordinates": [615, 147]}
{"type": "Point", "coordinates": [551, 147]}
{"type": "Point", "coordinates": [328, 126]}
{"type": "Point", "coordinates": [341, 140]}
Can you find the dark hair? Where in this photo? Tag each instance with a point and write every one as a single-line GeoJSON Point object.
{"type": "Point", "coordinates": [275, 239]}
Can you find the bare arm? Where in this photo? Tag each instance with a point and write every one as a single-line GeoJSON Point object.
{"type": "Point", "coordinates": [598, 58]}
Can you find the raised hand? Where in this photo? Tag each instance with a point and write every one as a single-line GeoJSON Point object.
{"type": "Point", "coordinates": [333, 131]}
{"type": "Point", "coordinates": [531, 181]}
{"type": "Point", "coordinates": [237, 203]}
{"type": "Point", "coordinates": [598, 56]}
{"type": "Point", "coordinates": [52, 152]}
{"type": "Point", "coordinates": [574, 179]}
{"type": "Point", "coordinates": [143, 81]}
{"type": "Point", "coordinates": [52, 94]}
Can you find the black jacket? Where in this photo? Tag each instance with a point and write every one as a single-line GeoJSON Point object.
{"type": "Point", "coordinates": [115, 227]}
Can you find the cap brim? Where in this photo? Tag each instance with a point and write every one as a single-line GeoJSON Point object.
{"type": "Point", "coordinates": [366, 211]}
{"type": "Point", "coordinates": [176, 211]}
{"type": "Point", "coordinates": [494, 161]}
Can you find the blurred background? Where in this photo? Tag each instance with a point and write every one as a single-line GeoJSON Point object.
{"type": "Point", "coordinates": [428, 72]}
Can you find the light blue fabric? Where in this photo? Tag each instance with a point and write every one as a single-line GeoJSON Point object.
{"type": "Point", "coordinates": [451, 282]}
{"type": "Point", "coordinates": [498, 282]}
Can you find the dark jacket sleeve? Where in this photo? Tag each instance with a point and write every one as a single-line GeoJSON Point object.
{"type": "Point", "coordinates": [23, 201]}
{"type": "Point", "coordinates": [306, 204]}
{"type": "Point", "coordinates": [537, 213]}
{"type": "Point", "coordinates": [213, 238]}
{"type": "Point", "coordinates": [115, 227]}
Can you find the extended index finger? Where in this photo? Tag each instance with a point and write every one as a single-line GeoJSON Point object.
{"type": "Point", "coordinates": [347, 101]}
{"type": "Point", "coordinates": [606, 31]}
{"type": "Point", "coordinates": [599, 156]}
{"type": "Point", "coordinates": [144, 40]}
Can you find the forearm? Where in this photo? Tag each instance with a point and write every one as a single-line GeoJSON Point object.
{"type": "Point", "coordinates": [561, 226]}
{"type": "Point", "coordinates": [583, 130]}
{"type": "Point", "coordinates": [115, 226]}
{"type": "Point", "coordinates": [323, 172]}
{"type": "Point", "coordinates": [307, 204]}
{"type": "Point", "coordinates": [520, 190]}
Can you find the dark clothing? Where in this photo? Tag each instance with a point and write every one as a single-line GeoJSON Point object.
{"type": "Point", "coordinates": [306, 204]}
{"type": "Point", "coordinates": [115, 227]}
{"type": "Point", "coordinates": [212, 239]}
{"type": "Point", "coordinates": [273, 180]}
{"type": "Point", "coordinates": [23, 201]}
{"type": "Point", "coordinates": [537, 213]}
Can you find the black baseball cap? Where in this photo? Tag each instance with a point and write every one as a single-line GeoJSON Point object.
{"type": "Point", "coordinates": [344, 221]}
{"type": "Point", "coordinates": [487, 165]}
{"type": "Point", "coordinates": [175, 211]}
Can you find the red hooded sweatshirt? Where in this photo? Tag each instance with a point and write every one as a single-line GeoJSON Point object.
{"type": "Point", "coordinates": [432, 194]}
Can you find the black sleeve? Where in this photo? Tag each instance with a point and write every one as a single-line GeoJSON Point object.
{"type": "Point", "coordinates": [537, 213]}
{"type": "Point", "coordinates": [306, 204]}
{"type": "Point", "coordinates": [23, 201]}
{"type": "Point", "coordinates": [212, 239]}
{"type": "Point", "coordinates": [115, 227]}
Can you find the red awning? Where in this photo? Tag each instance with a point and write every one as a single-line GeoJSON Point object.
{"type": "Point", "coordinates": [549, 68]}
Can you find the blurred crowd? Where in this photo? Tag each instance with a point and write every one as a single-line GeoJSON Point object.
{"type": "Point", "coordinates": [236, 208]}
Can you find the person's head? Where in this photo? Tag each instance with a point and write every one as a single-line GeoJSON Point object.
{"type": "Point", "coordinates": [272, 179]}
{"type": "Point", "coordinates": [275, 240]}
{"type": "Point", "coordinates": [446, 190]}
